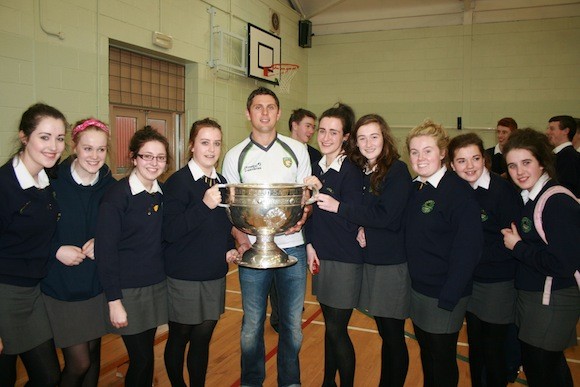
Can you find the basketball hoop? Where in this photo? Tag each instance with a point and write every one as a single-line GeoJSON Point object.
{"type": "Point", "coordinates": [282, 74]}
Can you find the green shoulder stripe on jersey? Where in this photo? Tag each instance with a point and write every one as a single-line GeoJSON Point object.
{"type": "Point", "coordinates": [243, 154]}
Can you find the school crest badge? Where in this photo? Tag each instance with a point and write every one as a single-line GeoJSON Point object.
{"type": "Point", "coordinates": [287, 161]}
{"type": "Point", "coordinates": [484, 216]}
{"type": "Point", "coordinates": [428, 206]}
{"type": "Point", "coordinates": [526, 224]}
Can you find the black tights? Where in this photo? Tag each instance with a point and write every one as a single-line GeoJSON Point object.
{"type": "Point", "coordinates": [486, 352]}
{"type": "Point", "coordinates": [438, 358]}
{"type": "Point", "coordinates": [394, 354]}
{"type": "Point", "coordinates": [545, 368]}
{"type": "Point", "coordinates": [41, 365]}
{"type": "Point", "coordinates": [338, 348]}
{"type": "Point", "coordinates": [140, 350]}
{"type": "Point", "coordinates": [198, 337]}
{"type": "Point", "coordinates": [82, 364]}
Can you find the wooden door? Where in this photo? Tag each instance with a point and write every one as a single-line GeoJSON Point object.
{"type": "Point", "coordinates": [125, 121]}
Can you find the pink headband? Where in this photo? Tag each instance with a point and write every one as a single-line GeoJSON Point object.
{"type": "Point", "coordinates": [90, 122]}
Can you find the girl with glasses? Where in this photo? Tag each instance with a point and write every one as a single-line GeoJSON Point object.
{"type": "Point", "coordinates": [129, 253]}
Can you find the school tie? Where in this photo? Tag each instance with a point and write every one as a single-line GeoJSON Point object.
{"type": "Point", "coordinates": [421, 185]}
{"type": "Point", "coordinates": [209, 181]}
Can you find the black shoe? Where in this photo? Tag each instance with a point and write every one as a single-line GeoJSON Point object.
{"type": "Point", "coordinates": [512, 374]}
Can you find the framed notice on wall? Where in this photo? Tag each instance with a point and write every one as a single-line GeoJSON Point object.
{"type": "Point", "coordinates": [263, 52]}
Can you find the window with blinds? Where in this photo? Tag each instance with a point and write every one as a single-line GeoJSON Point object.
{"type": "Point", "coordinates": [140, 81]}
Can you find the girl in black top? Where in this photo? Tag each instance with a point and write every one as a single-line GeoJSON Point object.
{"type": "Point", "coordinates": [548, 303]}
{"type": "Point", "coordinates": [129, 254]}
{"type": "Point", "coordinates": [72, 291]}
{"type": "Point", "coordinates": [332, 246]}
{"type": "Point", "coordinates": [198, 241]}
{"type": "Point", "coordinates": [443, 240]}
{"type": "Point", "coordinates": [385, 283]}
{"type": "Point", "coordinates": [490, 310]}
{"type": "Point", "coordinates": [28, 219]}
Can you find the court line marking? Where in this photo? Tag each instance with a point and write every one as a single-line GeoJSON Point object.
{"type": "Point", "coordinates": [310, 320]}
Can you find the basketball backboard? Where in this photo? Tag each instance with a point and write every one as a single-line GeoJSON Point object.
{"type": "Point", "coordinates": [264, 50]}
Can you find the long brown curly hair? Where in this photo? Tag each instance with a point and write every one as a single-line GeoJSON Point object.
{"type": "Point", "coordinates": [388, 154]}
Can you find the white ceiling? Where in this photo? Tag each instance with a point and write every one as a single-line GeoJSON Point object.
{"type": "Point", "coordinates": [345, 16]}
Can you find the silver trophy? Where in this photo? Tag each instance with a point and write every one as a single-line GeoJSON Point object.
{"type": "Point", "coordinates": [265, 210]}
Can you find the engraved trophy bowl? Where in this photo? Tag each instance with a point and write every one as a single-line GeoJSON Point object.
{"type": "Point", "coordinates": [265, 210]}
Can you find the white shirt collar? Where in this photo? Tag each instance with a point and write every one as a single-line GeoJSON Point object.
{"type": "Point", "coordinates": [77, 178]}
{"type": "Point", "coordinates": [497, 149]}
{"type": "Point", "coordinates": [435, 178]}
{"type": "Point", "coordinates": [561, 146]}
{"type": "Point", "coordinates": [336, 163]}
{"type": "Point", "coordinates": [483, 181]}
{"type": "Point", "coordinates": [533, 193]}
{"type": "Point", "coordinates": [137, 187]}
{"type": "Point", "coordinates": [368, 171]}
{"type": "Point", "coordinates": [24, 177]}
{"type": "Point", "coordinates": [196, 171]}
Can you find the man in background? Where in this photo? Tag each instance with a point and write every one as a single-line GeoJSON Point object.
{"type": "Point", "coordinates": [560, 132]}
{"type": "Point", "coordinates": [505, 127]}
{"type": "Point", "coordinates": [302, 125]}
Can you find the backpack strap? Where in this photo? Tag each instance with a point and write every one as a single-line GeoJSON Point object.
{"type": "Point", "coordinates": [557, 189]}
{"type": "Point", "coordinates": [542, 203]}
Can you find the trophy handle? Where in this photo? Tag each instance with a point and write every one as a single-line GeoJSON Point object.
{"type": "Point", "coordinates": [314, 193]}
{"type": "Point", "coordinates": [224, 205]}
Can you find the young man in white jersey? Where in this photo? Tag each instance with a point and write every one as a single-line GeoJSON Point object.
{"type": "Point", "coordinates": [269, 157]}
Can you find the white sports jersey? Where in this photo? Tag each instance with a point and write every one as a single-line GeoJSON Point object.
{"type": "Point", "coordinates": [284, 161]}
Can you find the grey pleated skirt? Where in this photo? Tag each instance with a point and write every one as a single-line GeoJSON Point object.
{"type": "Point", "coordinates": [193, 302]}
{"type": "Point", "coordinates": [550, 327]}
{"type": "Point", "coordinates": [431, 318]}
{"type": "Point", "coordinates": [146, 309]}
{"type": "Point", "coordinates": [338, 284]}
{"type": "Point", "coordinates": [385, 291]}
{"type": "Point", "coordinates": [23, 320]}
{"type": "Point", "coordinates": [76, 322]}
{"type": "Point", "coordinates": [493, 302]}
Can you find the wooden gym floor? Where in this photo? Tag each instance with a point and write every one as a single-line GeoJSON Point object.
{"type": "Point", "coordinates": [224, 363]}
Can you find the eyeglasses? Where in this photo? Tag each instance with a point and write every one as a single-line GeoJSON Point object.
{"type": "Point", "coordinates": [148, 157]}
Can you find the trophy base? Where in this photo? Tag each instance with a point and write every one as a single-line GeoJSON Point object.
{"type": "Point", "coordinates": [255, 259]}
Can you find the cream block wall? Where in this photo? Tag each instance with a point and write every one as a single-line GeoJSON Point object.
{"type": "Point", "coordinates": [72, 74]}
{"type": "Point", "coordinates": [481, 72]}
{"type": "Point", "coordinates": [528, 70]}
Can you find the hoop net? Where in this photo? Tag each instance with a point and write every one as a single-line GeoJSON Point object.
{"type": "Point", "coordinates": [282, 74]}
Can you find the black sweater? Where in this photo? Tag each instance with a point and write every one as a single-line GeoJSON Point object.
{"type": "Point", "coordinates": [79, 207]}
{"type": "Point", "coordinates": [196, 238]}
{"type": "Point", "coordinates": [128, 246]}
{"type": "Point", "coordinates": [332, 236]}
{"type": "Point", "coordinates": [500, 206]}
{"type": "Point", "coordinates": [561, 257]}
{"type": "Point", "coordinates": [28, 221]}
{"type": "Point", "coordinates": [443, 239]}
{"type": "Point", "coordinates": [498, 164]}
{"type": "Point", "coordinates": [568, 169]}
{"type": "Point", "coordinates": [382, 216]}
